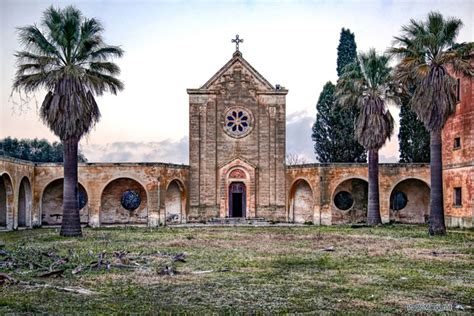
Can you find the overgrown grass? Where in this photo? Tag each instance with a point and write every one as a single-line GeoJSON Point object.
{"type": "Point", "coordinates": [390, 269]}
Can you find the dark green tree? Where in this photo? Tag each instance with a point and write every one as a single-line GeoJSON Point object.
{"type": "Point", "coordinates": [413, 138]}
{"type": "Point", "coordinates": [66, 55]}
{"type": "Point", "coordinates": [323, 127]}
{"type": "Point", "coordinates": [35, 150]}
{"type": "Point", "coordinates": [333, 130]}
{"type": "Point", "coordinates": [346, 50]}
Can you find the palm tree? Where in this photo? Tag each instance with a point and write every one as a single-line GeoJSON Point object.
{"type": "Point", "coordinates": [427, 49]}
{"type": "Point", "coordinates": [69, 59]}
{"type": "Point", "coordinates": [368, 85]}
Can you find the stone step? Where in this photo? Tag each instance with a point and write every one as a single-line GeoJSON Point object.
{"type": "Point", "coordinates": [236, 220]}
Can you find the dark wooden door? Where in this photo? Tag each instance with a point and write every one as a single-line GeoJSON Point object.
{"type": "Point", "coordinates": [237, 199]}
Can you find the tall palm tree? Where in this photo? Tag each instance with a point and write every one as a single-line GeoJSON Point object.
{"type": "Point", "coordinates": [369, 85]}
{"type": "Point", "coordinates": [426, 50]}
{"type": "Point", "coordinates": [69, 59]}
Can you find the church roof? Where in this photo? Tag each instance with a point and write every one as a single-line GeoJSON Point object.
{"type": "Point", "coordinates": [237, 58]}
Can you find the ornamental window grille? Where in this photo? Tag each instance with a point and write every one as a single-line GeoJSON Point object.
{"type": "Point", "coordinates": [238, 122]}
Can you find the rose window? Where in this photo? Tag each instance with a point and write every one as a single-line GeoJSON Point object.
{"type": "Point", "coordinates": [237, 122]}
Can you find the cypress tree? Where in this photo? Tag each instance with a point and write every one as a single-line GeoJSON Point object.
{"type": "Point", "coordinates": [346, 50]}
{"type": "Point", "coordinates": [413, 138]}
{"type": "Point", "coordinates": [333, 130]}
{"type": "Point", "coordinates": [323, 127]}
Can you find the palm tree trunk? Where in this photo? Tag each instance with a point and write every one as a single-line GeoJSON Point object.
{"type": "Point", "coordinates": [373, 214]}
{"type": "Point", "coordinates": [71, 223]}
{"type": "Point", "coordinates": [436, 224]}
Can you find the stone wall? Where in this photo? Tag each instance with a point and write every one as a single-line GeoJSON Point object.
{"type": "Point", "coordinates": [52, 204]}
{"type": "Point", "coordinates": [102, 185]}
{"type": "Point", "coordinates": [458, 161]}
{"type": "Point", "coordinates": [163, 189]}
{"type": "Point", "coordinates": [326, 180]}
{"type": "Point", "coordinates": [13, 175]}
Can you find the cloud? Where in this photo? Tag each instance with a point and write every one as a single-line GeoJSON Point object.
{"type": "Point", "coordinates": [298, 142]}
{"type": "Point", "coordinates": [298, 138]}
{"type": "Point", "coordinates": [298, 135]}
{"type": "Point", "coordinates": [172, 151]}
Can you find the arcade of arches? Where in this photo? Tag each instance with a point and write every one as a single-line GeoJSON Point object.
{"type": "Point", "coordinates": [237, 127]}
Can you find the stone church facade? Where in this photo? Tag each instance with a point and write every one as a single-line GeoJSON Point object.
{"type": "Point", "coordinates": [237, 143]}
{"type": "Point", "coordinates": [237, 169]}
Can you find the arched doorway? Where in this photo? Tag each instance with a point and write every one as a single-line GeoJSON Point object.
{"type": "Point", "coordinates": [237, 199]}
{"type": "Point", "coordinates": [410, 202]}
{"type": "Point", "coordinates": [6, 200]}
{"type": "Point", "coordinates": [349, 202]}
{"type": "Point", "coordinates": [175, 200]}
{"type": "Point", "coordinates": [24, 203]}
{"type": "Point", "coordinates": [124, 201]}
{"type": "Point", "coordinates": [301, 202]}
{"type": "Point", "coordinates": [52, 203]}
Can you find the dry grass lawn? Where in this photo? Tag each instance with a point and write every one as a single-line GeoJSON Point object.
{"type": "Point", "coordinates": [246, 270]}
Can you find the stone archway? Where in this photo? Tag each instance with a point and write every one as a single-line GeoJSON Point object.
{"type": "Point", "coordinates": [301, 202]}
{"type": "Point", "coordinates": [242, 172]}
{"type": "Point", "coordinates": [6, 201]}
{"type": "Point", "coordinates": [52, 203]}
{"type": "Point", "coordinates": [410, 202]}
{"type": "Point", "coordinates": [24, 203]}
{"type": "Point", "coordinates": [175, 203]}
{"type": "Point", "coordinates": [124, 201]}
{"type": "Point", "coordinates": [349, 202]}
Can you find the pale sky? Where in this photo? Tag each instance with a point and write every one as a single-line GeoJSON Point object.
{"type": "Point", "coordinates": [174, 45]}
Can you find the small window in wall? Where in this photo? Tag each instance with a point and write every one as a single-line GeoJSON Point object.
{"type": "Point", "coordinates": [458, 89]}
{"type": "Point", "coordinates": [399, 201]}
{"type": "Point", "coordinates": [457, 143]}
{"type": "Point", "coordinates": [343, 200]}
{"type": "Point", "coordinates": [457, 197]}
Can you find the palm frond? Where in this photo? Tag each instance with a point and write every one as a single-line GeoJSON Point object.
{"type": "Point", "coordinates": [69, 58]}
{"type": "Point", "coordinates": [426, 49]}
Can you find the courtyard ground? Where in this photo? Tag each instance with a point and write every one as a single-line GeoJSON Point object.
{"type": "Point", "coordinates": [249, 270]}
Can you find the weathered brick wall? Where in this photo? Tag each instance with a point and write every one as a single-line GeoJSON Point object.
{"type": "Point", "coordinates": [418, 206]}
{"type": "Point", "coordinates": [12, 173]}
{"type": "Point", "coordinates": [458, 163]}
{"type": "Point", "coordinates": [358, 188]}
{"type": "Point", "coordinates": [174, 203]}
{"type": "Point", "coordinates": [301, 208]}
{"type": "Point", "coordinates": [25, 203]}
{"type": "Point", "coordinates": [111, 209]}
{"type": "Point", "coordinates": [328, 179]}
{"type": "Point", "coordinates": [102, 190]}
{"type": "Point", "coordinates": [52, 204]}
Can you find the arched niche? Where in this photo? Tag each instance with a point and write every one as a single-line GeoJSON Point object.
{"type": "Point", "coordinates": [123, 201]}
{"type": "Point", "coordinates": [175, 202]}
{"type": "Point", "coordinates": [6, 201]}
{"type": "Point", "coordinates": [24, 203]}
{"type": "Point", "coordinates": [52, 203]}
{"type": "Point", "coordinates": [349, 202]}
{"type": "Point", "coordinates": [301, 202]}
{"type": "Point", "coordinates": [410, 202]}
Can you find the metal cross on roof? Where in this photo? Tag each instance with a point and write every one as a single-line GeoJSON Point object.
{"type": "Point", "coordinates": [237, 41]}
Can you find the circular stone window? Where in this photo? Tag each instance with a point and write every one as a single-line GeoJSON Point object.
{"type": "Point", "coordinates": [237, 122]}
{"type": "Point", "coordinates": [130, 200]}
{"type": "Point", "coordinates": [343, 200]}
{"type": "Point", "coordinates": [81, 198]}
{"type": "Point", "coordinates": [398, 201]}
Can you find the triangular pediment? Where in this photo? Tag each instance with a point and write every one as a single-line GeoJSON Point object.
{"type": "Point", "coordinates": [238, 65]}
{"type": "Point", "coordinates": [238, 161]}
